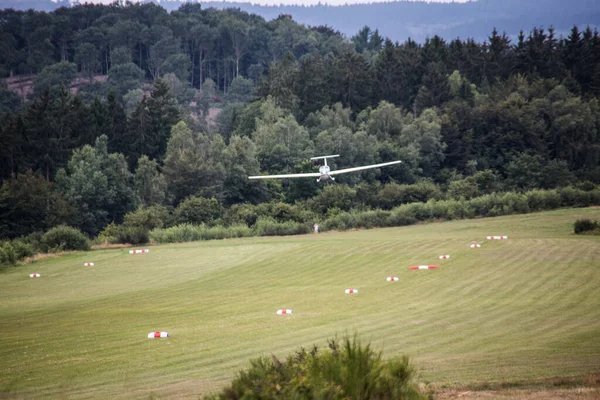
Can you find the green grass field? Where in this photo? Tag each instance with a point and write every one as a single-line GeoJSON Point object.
{"type": "Point", "coordinates": [524, 308]}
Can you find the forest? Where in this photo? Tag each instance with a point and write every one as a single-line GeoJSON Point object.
{"type": "Point", "coordinates": [125, 120]}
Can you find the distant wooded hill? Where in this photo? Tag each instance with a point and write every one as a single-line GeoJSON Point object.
{"type": "Point", "coordinates": [417, 20]}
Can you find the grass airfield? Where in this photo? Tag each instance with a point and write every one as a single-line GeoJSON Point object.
{"type": "Point", "coordinates": [518, 309]}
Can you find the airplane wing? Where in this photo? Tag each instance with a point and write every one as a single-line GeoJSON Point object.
{"type": "Point", "coordinates": [343, 171]}
{"type": "Point", "coordinates": [309, 175]}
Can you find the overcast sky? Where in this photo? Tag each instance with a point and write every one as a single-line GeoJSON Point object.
{"type": "Point", "coordinates": [331, 2]}
{"type": "Point", "coordinates": [311, 2]}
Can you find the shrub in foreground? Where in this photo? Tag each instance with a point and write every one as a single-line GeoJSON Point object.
{"type": "Point", "coordinates": [586, 225]}
{"type": "Point", "coordinates": [62, 238]}
{"type": "Point", "coordinates": [346, 369]}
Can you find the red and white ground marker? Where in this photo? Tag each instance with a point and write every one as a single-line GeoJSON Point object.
{"type": "Point", "coordinates": [392, 279]}
{"type": "Point", "coordinates": [88, 264]}
{"type": "Point", "coordinates": [351, 291]}
{"type": "Point", "coordinates": [139, 251]}
{"type": "Point", "coordinates": [444, 257]}
{"type": "Point", "coordinates": [423, 267]}
{"type": "Point", "coordinates": [497, 237]}
{"type": "Point", "coordinates": [34, 275]}
{"type": "Point", "coordinates": [284, 311]}
{"type": "Point", "coordinates": [475, 245]}
{"type": "Point", "coordinates": [153, 335]}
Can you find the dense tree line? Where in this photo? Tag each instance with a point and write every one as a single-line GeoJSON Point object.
{"type": "Point", "coordinates": [196, 100]}
{"type": "Point", "coordinates": [401, 19]}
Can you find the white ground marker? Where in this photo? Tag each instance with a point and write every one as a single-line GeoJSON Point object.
{"type": "Point", "coordinates": [392, 278]}
{"type": "Point", "coordinates": [88, 264]}
{"type": "Point", "coordinates": [497, 237]}
{"type": "Point", "coordinates": [153, 335]}
{"type": "Point", "coordinates": [423, 267]}
{"type": "Point", "coordinates": [284, 311]}
{"type": "Point", "coordinates": [351, 291]}
{"type": "Point", "coordinates": [34, 275]}
{"type": "Point", "coordinates": [444, 257]}
{"type": "Point", "coordinates": [475, 246]}
{"type": "Point", "coordinates": [139, 251]}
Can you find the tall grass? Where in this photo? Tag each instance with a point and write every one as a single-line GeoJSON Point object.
{"type": "Point", "coordinates": [190, 233]}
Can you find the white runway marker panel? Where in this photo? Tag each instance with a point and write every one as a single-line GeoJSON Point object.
{"type": "Point", "coordinates": [444, 257]}
{"type": "Point", "coordinates": [88, 264]}
{"type": "Point", "coordinates": [392, 278]}
{"type": "Point", "coordinates": [351, 291]}
{"type": "Point", "coordinates": [475, 246]}
{"type": "Point", "coordinates": [414, 267]}
{"type": "Point", "coordinates": [153, 335]}
{"type": "Point", "coordinates": [497, 237]}
{"type": "Point", "coordinates": [34, 275]}
{"type": "Point", "coordinates": [284, 311]}
{"type": "Point", "coordinates": [139, 251]}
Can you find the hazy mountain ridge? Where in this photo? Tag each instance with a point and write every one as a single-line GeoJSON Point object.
{"type": "Point", "coordinates": [418, 20]}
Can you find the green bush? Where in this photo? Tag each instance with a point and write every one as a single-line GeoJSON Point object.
{"type": "Point", "coordinates": [8, 255]}
{"type": "Point", "coordinates": [270, 227]}
{"type": "Point", "coordinates": [242, 214]}
{"type": "Point", "coordinates": [393, 195]}
{"type": "Point", "coordinates": [403, 215]}
{"type": "Point", "coordinates": [198, 210]}
{"type": "Point", "coordinates": [132, 234]}
{"type": "Point", "coordinates": [34, 240]}
{"type": "Point", "coordinates": [539, 200]}
{"type": "Point", "coordinates": [571, 197]}
{"type": "Point", "coordinates": [372, 219]}
{"type": "Point", "coordinates": [344, 370]}
{"type": "Point", "coordinates": [585, 225]}
{"type": "Point", "coordinates": [147, 217]}
{"type": "Point", "coordinates": [514, 203]}
{"type": "Point", "coordinates": [22, 249]}
{"type": "Point", "coordinates": [339, 196]}
{"type": "Point", "coordinates": [109, 234]}
{"type": "Point", "coordinates": [191, 233]}
{"type": "Point", "coordinates": [62, 238]}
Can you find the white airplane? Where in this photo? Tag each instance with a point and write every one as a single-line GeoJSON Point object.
{"type": "Point", "coordinates": [324, 173]}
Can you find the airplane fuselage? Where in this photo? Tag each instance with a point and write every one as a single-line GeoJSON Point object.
{"type": "Point", "coordinates": [324, 171]}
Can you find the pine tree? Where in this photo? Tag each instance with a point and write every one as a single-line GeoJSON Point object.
{"type": "Point", "coordinates": [388, 74]}
{"type": "Point", "coordinates": [435, 89]}
{"type": "Point", "coordinates": [164, 113]}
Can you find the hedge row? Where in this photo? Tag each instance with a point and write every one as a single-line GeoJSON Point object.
{"type": "Point", "coordinates": [59, 238]}
{"type": "Point", "coordinates": [490, 205]}
{"type": "Point", "coordinates": [190, 233]}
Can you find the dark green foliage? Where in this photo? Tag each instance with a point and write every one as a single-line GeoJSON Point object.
{"type": "Point", "coordinates": [191, 233]}
{"type": "Point", "coordinates": [23, 249]}
{"type": "Point", "coordinates": [270, 227]}
{"type": "Point", "coordinates": [147, 217]}
{"type": "Point", "coordinates": [8, 255]}
{"type": "Point", "coordinates": [132, 235]}
{"type": "Point", "coordinates": [345, 369]}
{"type": "Point", "coordinates": [53, 76]}
{"type": "Point", "coordinates": [29, 203]}
{"type": "Point", "coordinates": [10, 102]}
{"type": "Point", "coordinates": [392, 195]}
{"type": "Point", "coordinates": [63, 238]}
{"type": "Point", "coordinates": [198, 210]}
{"type": "Point", "coordinates": [586, 225]}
